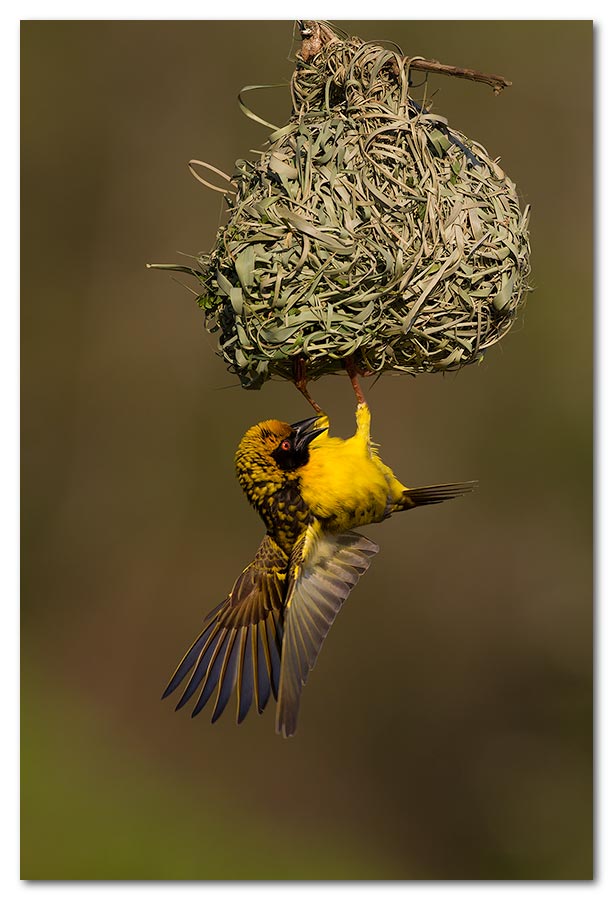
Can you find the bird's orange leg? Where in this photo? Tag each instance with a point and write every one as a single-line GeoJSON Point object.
{"type": "Point", "coordinates": [300, 380]}
{"type": "Point", "coordinates": [352, 371]}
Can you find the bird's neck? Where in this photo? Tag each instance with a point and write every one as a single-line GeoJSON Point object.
{"type": "Point", "coordinates": [259, 482]}
{"type": "Point", "coordinates": [280, 506]}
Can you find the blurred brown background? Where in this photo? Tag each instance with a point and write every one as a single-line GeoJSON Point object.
{"type": "Point", "coordinates": [446, 732]}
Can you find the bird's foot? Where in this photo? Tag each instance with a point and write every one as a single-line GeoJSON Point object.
{"type": "Point", "coordinates": [352, 371]}
{"type": "Point", "coordinates": [362, 421]}
{"type": "Point", "coordinates": [300, 380]}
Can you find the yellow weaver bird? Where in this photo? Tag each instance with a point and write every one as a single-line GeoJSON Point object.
{"type": "Point", "coordinates": [311, 490]}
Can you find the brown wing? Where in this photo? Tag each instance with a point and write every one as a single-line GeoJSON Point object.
{"type": "Point", "coordinates": [240, 646]}
{"type": "Point", "coordinates": [324, 568]}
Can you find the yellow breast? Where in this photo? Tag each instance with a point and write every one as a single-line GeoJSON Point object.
{"type": "Point", "coordinates": [343, 485]}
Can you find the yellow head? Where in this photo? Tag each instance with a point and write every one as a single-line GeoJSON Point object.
{"type": "Point", "coordinates": [271, 454]}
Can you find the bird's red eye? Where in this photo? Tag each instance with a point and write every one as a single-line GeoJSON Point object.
{"type": "Point", "coordinates": [286, 445]}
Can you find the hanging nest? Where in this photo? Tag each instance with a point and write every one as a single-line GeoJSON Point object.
{"type": "Point", "coordinates": [368, 228]}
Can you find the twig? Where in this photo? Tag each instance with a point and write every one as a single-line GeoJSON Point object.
{"type": "Point", "coordinates": [433, 65]}
{"type": "Point", "coordinates": [316, 34]}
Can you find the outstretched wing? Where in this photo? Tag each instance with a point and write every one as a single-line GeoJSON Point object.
{"type": "Point", "coordinates": [240, 646]}
{"type": "Point", "coordinates": [323, 570]}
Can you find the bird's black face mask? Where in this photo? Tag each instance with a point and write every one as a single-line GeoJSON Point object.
{"type": "Point", "coordinates": [293, 451]}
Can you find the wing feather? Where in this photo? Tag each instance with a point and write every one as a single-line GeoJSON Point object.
{"type": "Point", "coordinates": [266, 636]}
{"type": "Point", "coordinates": [188, 661]}
{"type": "Point", "coordinates": [209, 649]}
{"type": "Point", "coordinates": [227, 678]}
{"type": "Point", "coordinates": [264, 678]}
{"type": "Point", "coordinates": [274, 649]}
{"type": "Point", "coordinates": [327, 567]}
{"type": "Point", "coordinates": [240, 646]}
{"type": "Point", "coordinates": [213, 673]}
{"type": "Point", "coordinates": [245, 674]}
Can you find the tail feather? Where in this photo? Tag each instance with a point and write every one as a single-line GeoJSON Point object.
{"type": "Point", "coordinates": [435, 493]}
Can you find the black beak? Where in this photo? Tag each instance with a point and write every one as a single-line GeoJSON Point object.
{"type": "Point", "coordinates": [305, 432]}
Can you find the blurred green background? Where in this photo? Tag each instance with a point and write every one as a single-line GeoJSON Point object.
{"type": "Point", "coordinates": [458, 743]}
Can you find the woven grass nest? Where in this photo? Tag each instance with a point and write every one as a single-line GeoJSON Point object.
{"type": "Point", "coordinates": [367, 229]}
